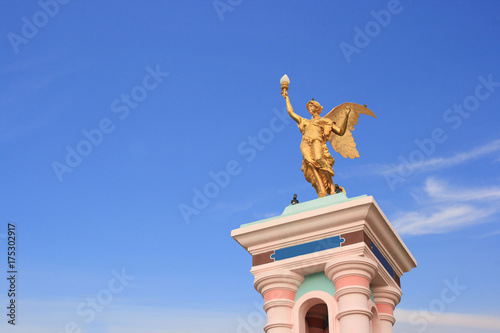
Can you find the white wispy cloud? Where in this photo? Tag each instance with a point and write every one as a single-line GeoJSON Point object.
{"type": "Point", "coordinates": [429, 164]}
{"type": "Point", "coordinates": [438, 191]}
{"type": "Point", "coordinates": [489, 234]}
{"type": "Point", "coordinates": [442, 220]}
{"type": "Point", "coordinates": [444, 208]}
{"type": "Point", "coordinates": [418, 321]}
{"type": "Point", "coordinates": [437, 163]}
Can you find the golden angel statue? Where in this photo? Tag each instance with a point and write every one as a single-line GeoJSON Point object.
{"type": "Point", "coordinates": [336, 127]}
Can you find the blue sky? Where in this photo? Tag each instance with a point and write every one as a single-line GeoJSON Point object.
{"type": "Point", "coordinates": [114, 115]}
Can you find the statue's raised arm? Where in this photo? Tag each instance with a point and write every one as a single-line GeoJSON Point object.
{"type": "Point", "coordinates": [336, 127]}
{"type": "Point", "coordinates": [284, 93]}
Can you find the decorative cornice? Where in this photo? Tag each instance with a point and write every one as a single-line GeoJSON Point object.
{"type": "Point", "coordinates": [309, 225]}
{"type": "Point", "coordinates": [322, 223]}
{"type": "Point", "coordinates": [388, 241]}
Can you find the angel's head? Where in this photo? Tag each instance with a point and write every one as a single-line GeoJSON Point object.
{"type": "Point", "coordinates": [314, 107]}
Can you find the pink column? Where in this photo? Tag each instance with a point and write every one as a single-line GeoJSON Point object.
{"type": "Point", "coordinates": [386, 299]}
{"type": "Point", "coordinates": [352, 276]}
{"type": "Point", "coordinates": [278, 289]}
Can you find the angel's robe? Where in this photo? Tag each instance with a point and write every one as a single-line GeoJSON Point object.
{"type": "Point", "coordinates": [316, 129]}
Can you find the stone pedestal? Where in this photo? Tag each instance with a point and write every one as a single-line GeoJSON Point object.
{"type": "Point", "coordinates": [332, 264]}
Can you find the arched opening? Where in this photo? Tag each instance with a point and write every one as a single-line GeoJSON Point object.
{"type": "Point", "coordinates": [315, 312]}
{"type": "Point", "coordinates": [317, 318]}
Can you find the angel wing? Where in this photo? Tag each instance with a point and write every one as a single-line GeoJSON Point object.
{"type": "Point", "coordinates": [345, 145]}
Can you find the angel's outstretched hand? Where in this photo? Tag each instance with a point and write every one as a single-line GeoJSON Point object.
{"type": "Point", "coordinates": [348, 111]}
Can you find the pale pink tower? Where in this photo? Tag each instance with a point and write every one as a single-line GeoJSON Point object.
{"type": "Point", "coordinates": [332, 264]}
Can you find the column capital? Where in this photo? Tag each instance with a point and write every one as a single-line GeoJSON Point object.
{"type": "Point", "coordinates": [351, 266]}
{"type": "Point", "coordinates": [386, 295]}
{"type": "Point", "coordinates": [278, 279]}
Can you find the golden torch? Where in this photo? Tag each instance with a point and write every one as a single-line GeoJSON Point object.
{"type": "Point", "coordinates": [285, 81]}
